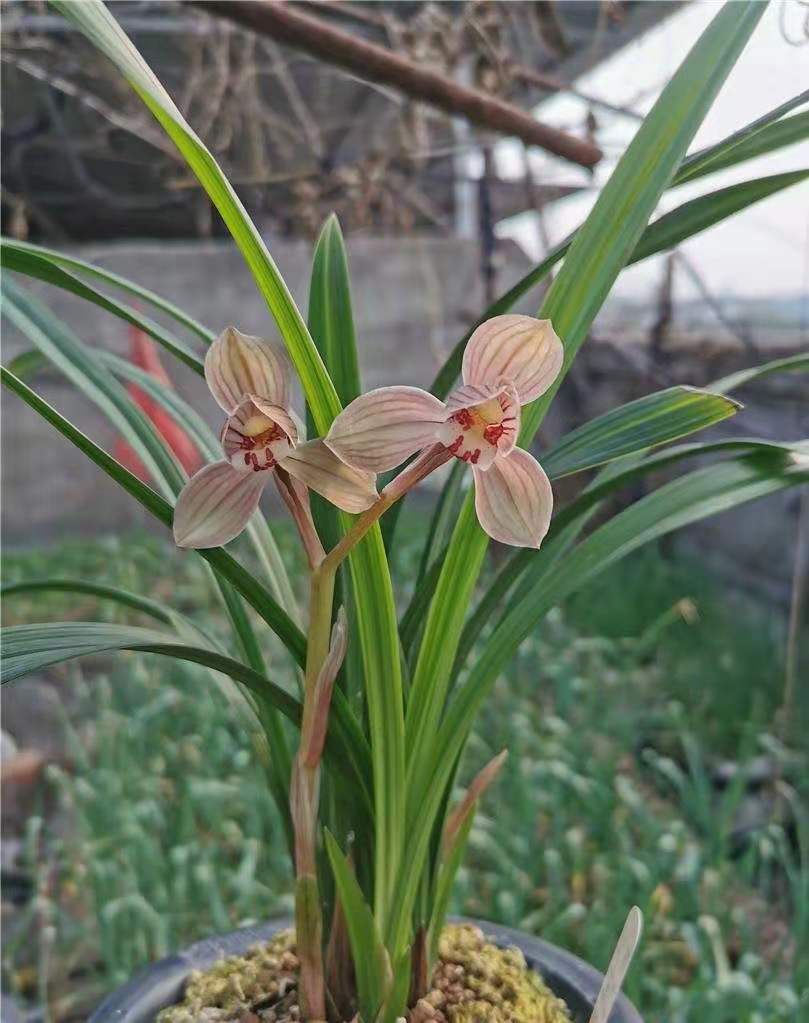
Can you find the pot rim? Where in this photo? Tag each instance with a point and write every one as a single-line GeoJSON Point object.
{"type": "Point", "coordinates": [161, 984]}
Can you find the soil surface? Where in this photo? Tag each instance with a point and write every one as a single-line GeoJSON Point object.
{"type": "Point", "coordinates": [474, 982]}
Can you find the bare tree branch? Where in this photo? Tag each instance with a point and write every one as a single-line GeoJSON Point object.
{"type": "Point", "coordinates": [379, 64]}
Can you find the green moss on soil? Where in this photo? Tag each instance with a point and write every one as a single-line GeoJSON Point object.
{"type": "Point", "coordinates": [474, 982]}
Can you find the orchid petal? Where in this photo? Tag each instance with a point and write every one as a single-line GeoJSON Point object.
{"type": "Point", "coordinates": [319, 468]}
{"type": "Point", "coordinates": [281, 416]}
{"type": "Point", "coordinates": [498, 406]}
{"type": "Point", "coordinates": [520, 349]}
{"type": "Point", "coordinates": [237, 427]}
{"type": "Point", "coordinates": [237, 365]}
{"type": "Point", "coordinates": [469, 395]}
{"type": "Point", "coordinates": [514, 500]}
{"type": "Point", "coordinates": [215, 505]}
{"type": "Point", "coordinates": [298, 423]}
{"type": "Point", "coordinates": [380, 429]}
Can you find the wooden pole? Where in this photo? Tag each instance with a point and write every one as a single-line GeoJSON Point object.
{"type": "Point", "coordinates": [378, 64]}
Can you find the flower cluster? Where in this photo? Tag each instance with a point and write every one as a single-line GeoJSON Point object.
{"type": "Point", "coordinates": [262, 436]}
{"type": "Point", "coordinates": [509, 361]}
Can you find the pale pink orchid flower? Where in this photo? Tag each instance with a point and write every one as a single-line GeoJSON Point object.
{"type": "Point", "coordinates": [249, 378]}
{"type": "Point", "coordinates": [508, 362]}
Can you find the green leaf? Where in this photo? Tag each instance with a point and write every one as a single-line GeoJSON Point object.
{"type": "Point", "coordinates": [372, 965]}
{"type": "Point", "coordinates": [568, 524]}
{"type": "Point", "coordinates": [395, 1006]}
{"type": "Point", "coordinates": [444, 515]}
{"type": "Point", "coordinates": [28, 648]}
{"type": "Point", "coordinates": [377, 632]}
{"type": "Point", "coordinates": [331, 318]}
{"type": "Point", "coordinates": [599, 251]}
{"type": "Point", "coordinates": [699, 214]}
{"type": "Point", "coordinates": [757, 139]}
{"type": "Point", "coordinates": [71, 357]}
{"type": "Point", "coordinates": [628, 470]}
{"type": "Point", "coordinates": [697, 495]}
{"type": "Point", "coordinates": [331, 324]}
{"type": "Point", "coordinates": [133, 601]}
{"type": "Point", "coordinates": [605, 243]}
{"type": "Point", "coordinates": [33, 264]}
{"type": "Point", "coordinates": [375, 657]}
{"type": "Point", "coordinates": [222, 562]}
{"type": "Point", "coordinates": [412, 620]}
{"type": "Point", "coordinates": [96, 22]}
{"type": "Point", "coordinates": [80, 266]}
{"type": "Point", "coordinates": [565, 530]}
{"type": "Point", "coordinates": [647, 422]}
{"type": "Point", "coordinates": [790, 364]}
{"type": "Point", "coordinates": [28, 363]}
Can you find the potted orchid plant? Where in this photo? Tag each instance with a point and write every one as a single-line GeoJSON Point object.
{"type": "Point", "coordinates": [362, 755]}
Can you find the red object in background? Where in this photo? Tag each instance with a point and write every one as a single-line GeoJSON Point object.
{"type": "Point", "coordinates": [143, 353]}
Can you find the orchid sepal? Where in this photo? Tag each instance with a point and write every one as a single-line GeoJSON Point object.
{"type": "Point", "coordinates": [215, 506]}
{"type": "Point", "coordinates": [237, 365]}
{"type": "Point", "coordinates": [381, 428]}
{"type": "Point", "coordinates": [316, 465]}
{"type": "Point", "coordinates": [521, 349]}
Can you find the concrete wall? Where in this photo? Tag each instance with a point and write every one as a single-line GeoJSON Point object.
{"type": "Point", "coordinates": [413, 299]}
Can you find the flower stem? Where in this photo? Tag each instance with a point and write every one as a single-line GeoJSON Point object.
{"type": "Point", "coordinates": [321, 665]}
{"type": "Point", "coordinates": [426, 463]}
{"type": "Point", "coordinates": [304, 800]}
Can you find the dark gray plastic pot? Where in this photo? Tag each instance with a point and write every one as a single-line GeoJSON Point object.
{"type": "Point", "coordinates": [161, 984]}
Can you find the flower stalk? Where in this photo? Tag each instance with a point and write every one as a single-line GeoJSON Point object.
{"type": "Point", "coordinates": [426, 463]}
{"type": "Point", "coordinates": [324, 657]}
{"type": "Point", "coordinates": [321, 671]}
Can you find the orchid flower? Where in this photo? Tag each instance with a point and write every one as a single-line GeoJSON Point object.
{"type": "Point", "coordinates": [249, 378]}
{"type": "Point", "coordinates": [508, 362]}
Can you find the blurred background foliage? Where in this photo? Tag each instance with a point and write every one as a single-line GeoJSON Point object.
{"type": "Point", "coordinates": [646, 765]}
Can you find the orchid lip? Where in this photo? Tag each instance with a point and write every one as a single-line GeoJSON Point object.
{"type": "Point", "coordinates": [252, 446]}
{"type": "Point", "coordinates": [478, 431]}
{"type": "Point", "coordinates": [251, 458]}
{"type": "Point", "coordinates": [257, 435]}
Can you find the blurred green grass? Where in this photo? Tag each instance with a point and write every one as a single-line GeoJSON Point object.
{"type": "Point", "coordinates": [614, 713]}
